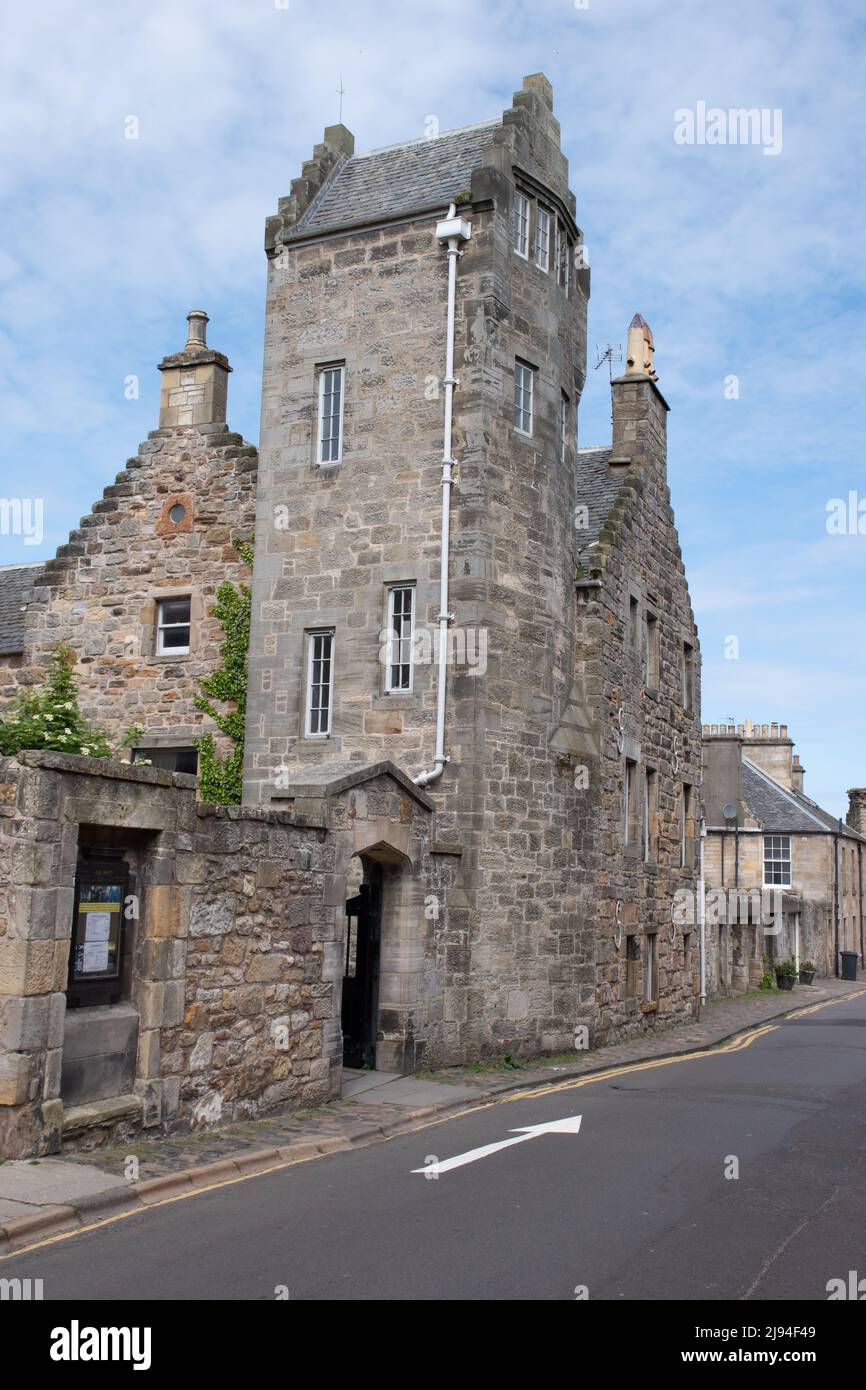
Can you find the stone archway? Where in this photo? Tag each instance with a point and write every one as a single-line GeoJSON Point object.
{"type": "Point", "coordinates": [389, 890]}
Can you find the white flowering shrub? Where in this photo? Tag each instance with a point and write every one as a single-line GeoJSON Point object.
{"type": "Point", "coordinates": [49, 717]}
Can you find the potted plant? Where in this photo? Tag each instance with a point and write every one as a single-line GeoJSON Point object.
{"type": "Point", "coordinates": [786, 974]}
{"type": "Point", "coordinates": [807, 971]}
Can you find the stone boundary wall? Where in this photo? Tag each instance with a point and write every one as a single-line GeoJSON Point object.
{"type": "Point", "coordinates": [227, 951]}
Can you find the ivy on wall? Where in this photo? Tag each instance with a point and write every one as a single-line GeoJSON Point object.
{"type": "Point", "coordinates": [221, 779]}
{"type": "Point", "coordinates": [49, 717]}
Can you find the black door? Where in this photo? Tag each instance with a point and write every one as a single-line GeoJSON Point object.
{"type": "Point", "coordinates": [361, 973]}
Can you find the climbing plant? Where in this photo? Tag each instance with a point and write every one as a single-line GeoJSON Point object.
{"type": "Point", "coordinates": [221, 779]}
{"type": "Point", "coordinates": [49, 717]}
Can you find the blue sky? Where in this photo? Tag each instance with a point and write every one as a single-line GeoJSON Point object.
{"type": "Point", "coordinates": [744, 264]}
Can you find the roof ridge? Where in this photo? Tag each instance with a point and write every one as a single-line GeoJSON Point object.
{"type": "Point", "coordinates": [24, 565]}
{"type": "Point", "coordinates": [427, 139]}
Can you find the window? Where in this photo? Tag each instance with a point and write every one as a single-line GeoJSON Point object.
{"type": "Point", "coordinates": [650, 817]}
{"type": "Point", "coordinates": [777, 860]}
{"type": "Point", "coordinates": [542, 238]}
{"type": "Point", "coordinates": [173, 626]}
{"type": "Point", "coordinates": [563, 425]}
{"type": "Point", "coordinates": [688, 676]}
{"type": "Point", "coordinates": [633, 611]}
{"type": "Point", "coordinates": [685, 814]}
{"type": "Point", "coordinates": [170, 759]}
{"type": "Point", "coordinates": [630, 800]}
{"type": "Point", "coordinates": [651, 969]}
{"type": "Point", "coordinates": [523, 388]}
{"type": "Point", "coordinates": [330, 442]}
{"type": "Point", "coordinates": [651, 652]}
{"type": "Point", "coordinates": [632, 961]}
{"type": "Point", "coordinates": [320, 650]}
{"type": "Point", "coordinates": [398, 669]}
{"type": "Point", "coordinates": [521, 225]}
{"type": "Point", "coordinates": [563, 251]}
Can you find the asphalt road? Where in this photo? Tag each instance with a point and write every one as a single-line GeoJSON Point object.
{"type": "Point", "coordinates": [635, 1205]}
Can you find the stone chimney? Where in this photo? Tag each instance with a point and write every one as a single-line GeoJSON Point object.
{"type": "Point", "coordinates": [769, 748]}
{"type": "Point", "coordinates": [194, 381]}
{"type": "Point", "coordinates": [639, 408]}
{"type": "Point", "coordinates": [857, 809]}
{"type": "Point", "coordinates": [797, 773]}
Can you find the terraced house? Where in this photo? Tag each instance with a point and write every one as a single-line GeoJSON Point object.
{"type": "Point", "coordinates": [473, 748]}
{"type": "Point", "coordinates": [766, 839]}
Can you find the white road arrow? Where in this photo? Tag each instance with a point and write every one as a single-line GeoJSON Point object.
{"type": "Point", "coordinates": [569, 1126]}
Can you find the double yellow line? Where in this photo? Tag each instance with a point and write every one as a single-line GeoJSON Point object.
{"type": "Point", "coordinates": [738, 1043]}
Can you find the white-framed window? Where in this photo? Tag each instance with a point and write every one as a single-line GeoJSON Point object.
{"type": "Point", "coordinates": [173, 626]}
{"type": "Point", "coordinates": [329, 446]}
{"type": "Point", "coordinates": [542, 238]}
{"type": "Point", "coordinates": [401, 625]}
{"type": "Point", "coordinates": [777, 861]}
{"type": "Point", "coordinates": [320, 682]}
{"type": "Point", "coordinates": [523, 390]}
{"type": "Point", "coordinates": [563, 425]}
{"type": "Point", "coordinates": [521, 225]}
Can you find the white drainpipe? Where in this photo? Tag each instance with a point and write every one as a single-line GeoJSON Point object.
{"type": "Point", "coordinates": [453, 230]}
{"type": "Point", "coordinates": [702, 913]}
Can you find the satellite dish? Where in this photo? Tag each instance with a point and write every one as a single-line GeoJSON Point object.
{"type": "Point", "coordinates": [729, 811]}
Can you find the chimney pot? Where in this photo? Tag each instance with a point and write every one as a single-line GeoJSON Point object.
{"type": "Point", "coordinates": [197, 336]}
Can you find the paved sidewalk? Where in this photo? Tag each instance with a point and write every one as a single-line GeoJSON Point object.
{"type": "Point", "coordinates": [39, 1197]}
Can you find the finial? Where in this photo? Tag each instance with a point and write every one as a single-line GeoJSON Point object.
{"type": "Point", "coordinates": [640, 349]}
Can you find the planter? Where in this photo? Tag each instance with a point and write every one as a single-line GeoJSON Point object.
{"type": "Point", "coordinates": [785, 981]}
{"type": "Point", "coordinates": [806, 977]}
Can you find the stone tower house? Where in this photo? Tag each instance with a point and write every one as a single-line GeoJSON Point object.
{"type": "Point", "coordinates": [557, 815]}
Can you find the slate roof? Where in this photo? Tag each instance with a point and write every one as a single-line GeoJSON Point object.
{"type": "Point", "coordinates": [784, 811]}
{"type": "Point", "coordinates": [417, 176]}
{"type": "Point", "coordinates": [596, 488]}
{"type": "Point", "coordinates": [16, 587]}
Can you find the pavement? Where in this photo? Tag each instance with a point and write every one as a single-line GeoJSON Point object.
{"type": "Point", "coordinates": [43, 1198]}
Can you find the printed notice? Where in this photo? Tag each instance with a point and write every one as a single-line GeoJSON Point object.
{"type": "Point", "coordinates": [97, 926]}
{"type": "Point", "coordinates": [95, 956]}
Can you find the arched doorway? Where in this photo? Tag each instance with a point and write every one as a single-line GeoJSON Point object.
{"type": "Point", "coordinates": [360, 1007]}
